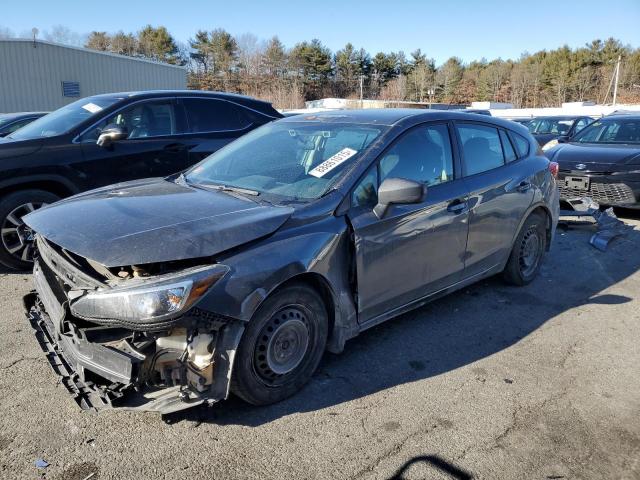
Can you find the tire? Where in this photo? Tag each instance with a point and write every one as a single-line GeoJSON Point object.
{"type": "Point", "coordinates": [16, 242]}
{"type": "Point", "coordinates": [271, 363]}
{"type": "Point", "coordinates": [527, 252]}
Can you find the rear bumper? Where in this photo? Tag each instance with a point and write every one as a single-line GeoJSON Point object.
{"type": "Point", "coordinates": [618, 190]}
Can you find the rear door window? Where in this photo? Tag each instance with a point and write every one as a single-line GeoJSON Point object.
{"type": "Point", "coordinates": [481, 147]}
{"type": "Point", "coordinates": [211, 115]}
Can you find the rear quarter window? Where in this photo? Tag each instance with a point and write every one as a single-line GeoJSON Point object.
{"type": "Point", "coordinates": [522, 144]}
{"type": "Point", "coordinates": [509, 153]}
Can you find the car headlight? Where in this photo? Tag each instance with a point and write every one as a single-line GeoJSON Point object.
{"type": "Point", "coordinates": [549, 144]}
{"type": "Point", "coordinates": [149, 301]}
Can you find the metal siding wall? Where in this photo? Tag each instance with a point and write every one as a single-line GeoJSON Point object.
{"type": "Point", "coordinates": [31, 78]}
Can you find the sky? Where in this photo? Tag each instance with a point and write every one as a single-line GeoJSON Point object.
{"type": "Point", "coordinates": [467, 29]}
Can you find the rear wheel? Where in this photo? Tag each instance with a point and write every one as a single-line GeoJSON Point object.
{"type": "Point", "coordinates": [281, 347]}
{"type": "Point", "coordinates": [528, 251]}
{"type": "Point", "coordinates": [16, 239]}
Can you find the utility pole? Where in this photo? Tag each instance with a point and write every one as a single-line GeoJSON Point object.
{"type": "Point", "coordinates": [361, 83]}
{"type": "Point", "coordinates": [615, 87]}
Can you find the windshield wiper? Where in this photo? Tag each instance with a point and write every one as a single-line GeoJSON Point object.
{"type": "Point", "coordinates": [229, 188]}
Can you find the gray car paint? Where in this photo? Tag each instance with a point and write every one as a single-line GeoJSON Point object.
{"type": "Point", "coordinates": [154, 220]}
{"type": "Point", "coordinates": [412, 255]}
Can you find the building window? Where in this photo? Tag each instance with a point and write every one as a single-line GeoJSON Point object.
{"type": "Point", "coordinates": [70, 89]}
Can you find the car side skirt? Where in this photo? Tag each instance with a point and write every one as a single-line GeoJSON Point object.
{"type": "Point", "coordinates": [430, 297]}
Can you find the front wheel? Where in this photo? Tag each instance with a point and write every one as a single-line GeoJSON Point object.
{"type": "Point", "coordinates": [16, 245]}
{"type": "Point", "coordinates": [281, 347]}
{"type": "Point", "coordinates": [528, 251]}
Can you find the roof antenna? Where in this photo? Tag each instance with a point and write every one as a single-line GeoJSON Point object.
{"type": "Point", "coordinates": [34, 32]}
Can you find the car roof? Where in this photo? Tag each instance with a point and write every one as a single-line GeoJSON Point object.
{"type": "Point", "coordinates": [381, 116]}
{"type": "Point", "coordinates": [394, 116]}
{"type": "Point", "coordinates": [558, 117]}
{"type": "Point", "coordinates": [620, 116]}
{"type": "Point", "coordinates": [250, 102]}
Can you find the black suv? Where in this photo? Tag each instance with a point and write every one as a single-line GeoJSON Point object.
{"type": "Point", "coordinates": [111, 138]}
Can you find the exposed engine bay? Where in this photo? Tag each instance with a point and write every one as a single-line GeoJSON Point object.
{"type": "Point", "coordinates": [130, 337]}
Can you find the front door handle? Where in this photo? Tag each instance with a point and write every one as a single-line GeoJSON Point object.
{"type": "Point", "coordinates": [524, 187]}
{"type": "Point", "coordinates": [457, 206]}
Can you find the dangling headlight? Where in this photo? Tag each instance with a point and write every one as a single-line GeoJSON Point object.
{"type": "Point", "coordinates": [149, 301]}
{"type": "Point", "coordinates": [549, 144]}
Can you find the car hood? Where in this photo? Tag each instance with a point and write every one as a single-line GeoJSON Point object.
{"type": "Point", "coordinates": [594, 157]}
{"type": "Point", "coordinates": [154, 220]}
{"type": "Point", "coordinates": [17, 148]}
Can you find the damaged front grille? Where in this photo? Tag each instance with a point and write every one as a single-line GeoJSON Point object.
{"type": "Point", "coordinates": [67, 270]}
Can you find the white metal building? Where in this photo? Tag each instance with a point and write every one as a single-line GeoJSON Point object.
{"type": "Point", "coordinates": [41, 76]}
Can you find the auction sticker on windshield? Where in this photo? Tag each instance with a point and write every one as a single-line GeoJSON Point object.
{"type": "Point", "coordinates": [92, 107]}
{"type": "Point", "coordinates": [332, 162]}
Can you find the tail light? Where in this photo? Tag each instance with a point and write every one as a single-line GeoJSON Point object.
{"type": "Point", "coordinates": [554, 168]}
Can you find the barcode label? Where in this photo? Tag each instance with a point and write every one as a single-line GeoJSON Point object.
{"type": "Point", "coordinates": [332, 162]}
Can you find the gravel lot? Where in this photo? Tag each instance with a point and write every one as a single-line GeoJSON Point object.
{"type": "Point", "coordinates": [491, 382]}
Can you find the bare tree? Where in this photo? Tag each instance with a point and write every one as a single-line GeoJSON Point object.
{"type": "Point", "coordinates": [6, 32]}
{"type": "Point", "coordinates": [64, 35]}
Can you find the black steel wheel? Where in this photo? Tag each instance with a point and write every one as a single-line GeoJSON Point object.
{"type": "Point", "coordinates": [531, 251]}
{"type": "Point", "coordinates": [281, 347]}
{"type": "Point", "coordinates": [527, 252]}
{"type": "Point", "coordinates": [16, 239]}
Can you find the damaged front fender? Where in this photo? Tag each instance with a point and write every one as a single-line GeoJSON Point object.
{"type": "Point", "coordinates": [321, 256]}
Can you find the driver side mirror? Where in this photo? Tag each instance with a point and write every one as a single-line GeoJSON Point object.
{"type": "Point", "coordinates": [111, 133]}
{"type": "Point", "coordinates": [398, 191]}
{"type": "Point", "coordinates": [563, 138]}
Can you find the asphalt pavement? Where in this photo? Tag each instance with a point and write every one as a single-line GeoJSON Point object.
{"type": "Point", "coordinates": [494, 381]}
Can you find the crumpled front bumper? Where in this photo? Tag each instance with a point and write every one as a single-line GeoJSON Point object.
{"type": "Point", "coordinates": [70, 362]}
{"type": "Point", "coordinates": [100, 377]}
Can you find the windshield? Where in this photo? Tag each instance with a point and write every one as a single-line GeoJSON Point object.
{"type": "Point", "coordinates": [289, 159]}
{"type": "Point", "coordinates": [558, 126]}
{"type": "Point", "coordinates": [64, 119]}
{"type": "Point", "coordinates": [5, 119]}
{"type": "Point", "coordinates": [619, 130]}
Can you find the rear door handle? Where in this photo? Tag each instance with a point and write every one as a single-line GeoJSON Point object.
{"type": "Point", "coordinates": [457, 206]}
{"type": "Point", "coordinates": [524, 187]}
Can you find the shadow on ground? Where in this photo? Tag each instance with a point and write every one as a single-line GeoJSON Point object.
{"type": "Point", "coordinates": [434, 463]}
{"type": "Point", "coordinates": [452, 332]}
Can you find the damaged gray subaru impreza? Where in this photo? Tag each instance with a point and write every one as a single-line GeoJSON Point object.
{"type": "Point", "coordinates": [237, 274]}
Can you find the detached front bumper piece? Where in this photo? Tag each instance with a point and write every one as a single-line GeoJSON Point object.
{"type": "Point", "coordinates": [608, 225]}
